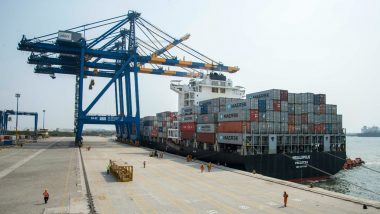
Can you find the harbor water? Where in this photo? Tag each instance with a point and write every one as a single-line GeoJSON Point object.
{"type": "Point", "coordinates": [347, 181]}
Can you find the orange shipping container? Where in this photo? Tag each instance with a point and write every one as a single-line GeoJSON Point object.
{"type": "Point", "coordinates": [187, 135]}
{"type": "Point", "coordinates": [206, 137]}
{"type": "Point", "coordinates": [234, 127]}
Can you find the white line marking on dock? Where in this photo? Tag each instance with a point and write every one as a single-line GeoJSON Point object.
{"type": "Point", "coordinates": [243, 207]}
{"type": "Point", "coordinates": [271, 203]}
{"type": "Point", "coordinates": [212, 211]}
{"type": "Point", "coordinates": [296, 199]}
{"type": "Point", "coordinates": [10, 169]}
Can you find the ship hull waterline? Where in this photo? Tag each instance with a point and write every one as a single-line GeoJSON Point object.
{"type": "Point", "coordinates": [296, 167]}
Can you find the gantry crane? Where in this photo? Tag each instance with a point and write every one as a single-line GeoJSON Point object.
{"type": "Point", "coordinates": [115, 54]}
{"type": "Point", "coordinates": [4, 116]}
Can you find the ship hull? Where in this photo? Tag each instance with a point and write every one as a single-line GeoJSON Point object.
{"type": "Point", "coordinates": [296, 167]}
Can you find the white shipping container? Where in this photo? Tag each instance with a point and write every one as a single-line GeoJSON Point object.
{"type": "Point", "coordinates": [273, 94]}
{"type": "Point", "coordinates": [189, 118]}
{"type": "Point", "coordinates": [254, 103]}
{"type": "Point", "coordinates": [206, 128]}
{"type": "Point", "coordinates": [236, 115]}
{"type": "Point", "coordinates": [230, 138]}
{"type": "Point", "coordinates": [238, 104]}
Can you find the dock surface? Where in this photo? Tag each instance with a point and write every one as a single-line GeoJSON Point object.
{"type": "Point", "coordinates": [172, 185]}
{"type": "Point", "coordinates": [167, 185]}
{"type": "Point", "coordinates": [51, 164]}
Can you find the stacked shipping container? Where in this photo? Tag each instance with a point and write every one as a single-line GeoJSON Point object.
{"type": "Point", "coordinates": [165, 121]}
{"type": "Point", "coordinates": [150, 128]}
{"type": "Point", "coordinates": [188, 119]}
{"type": "Point", "coordinates": [281, 112]}
{"type": "Point", "coordinates": [228, 121]}
{"type": "Point", "coordinates": [233, 124]}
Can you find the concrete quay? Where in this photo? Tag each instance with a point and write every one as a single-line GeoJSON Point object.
{"type": "Point", "coordinates": [172, 185]}
{"type": "Point", "coordinates": [51, 164]}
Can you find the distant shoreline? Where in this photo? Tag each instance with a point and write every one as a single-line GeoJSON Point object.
{"type": "Point", "coordinates": [364, 135]}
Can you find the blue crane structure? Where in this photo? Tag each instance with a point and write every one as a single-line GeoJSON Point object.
{"type": "Point", "coordinates": [4, 116]}
{"type": "Point", "coordinates": [119, 54]}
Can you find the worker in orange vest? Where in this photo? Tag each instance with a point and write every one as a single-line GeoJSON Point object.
{"type": "Point", "coordinates": [202, 168]}
{"type": "Point", "coordinates": [285, 198]}
{"type": "Point", "coordinates": [209, 166]}
{"type": "Point", "coordinates": [46, 195]}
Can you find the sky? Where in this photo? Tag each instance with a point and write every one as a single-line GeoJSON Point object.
{"type": "Point", "coordinates": [327, 46]}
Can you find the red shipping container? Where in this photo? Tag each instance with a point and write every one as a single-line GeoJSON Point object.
{"type": "Point", "coordinates": [234, 127]}
{"type": "Point", "coordinates": [276, 105]}
{"type": "Point", "coordinates": [319, 128]}
{"type": "Point", "coordinates": [254, 115]}
{"type": "Point", "coordinates": [291, 129]}
{"type": "Point", "coordinates": [187, 135]}
{"type": "Point", "coordinates": [283, 95]}
{"type": "Point", "coordinates": [188, 127]}
{"type": "Point", "coordinates": [304, 118]}
{"type": "Point", "coordinates": [206, 137]}
{"type": "Point", "coordinates": [154, 132]}
{"type": "Point", "coordinates": [172, 116]}
{"type": "Point", "coordinates": [292, 119]}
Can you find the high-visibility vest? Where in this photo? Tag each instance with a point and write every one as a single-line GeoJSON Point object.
{"type": "Point", "coordinates": [46, 194]}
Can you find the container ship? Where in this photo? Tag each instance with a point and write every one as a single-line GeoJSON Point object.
{"type": "Point", "coordinates": [290, 136]}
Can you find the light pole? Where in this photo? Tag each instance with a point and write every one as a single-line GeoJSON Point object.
{"type": "Point", "coordinates": [17, 97]}
{"type": "Point", "coordinates": [43, 122]}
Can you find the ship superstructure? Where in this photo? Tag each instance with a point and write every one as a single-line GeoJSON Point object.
{"type": "Point", "coordinates": [212, 86]}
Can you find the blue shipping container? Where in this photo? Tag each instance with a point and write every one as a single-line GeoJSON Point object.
{"type": "Point", "coordinates": [262, 105]}
{"type": "Point", "coordinates": [329, 128]}
{"type": "Point", "coordinates": [7, 142]}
